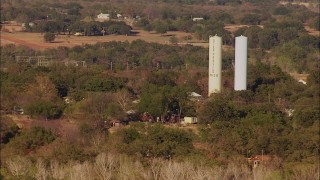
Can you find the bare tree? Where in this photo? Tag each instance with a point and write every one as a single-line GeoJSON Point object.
{"type": "Point", "coordinates": [81, 171]}
{"type": "Point", "coordinates": [123, 99]}
{"type": "Point", "coordinates": [43, 88]}
{"type": "Point", "coordinates": [129, 170]}
{"type": "Point", "coordinates": [155, 166]}
{"type": "Point", "coordinates": [202, 173]}
{"type": "Point", "coordinates": [152, 12]}
{"type": "Point", "coordinates": [104, 165]}
{"type": "Point", "coordinates": [306, 172]}
{"type": "Point", "coordinates": [172, 170]}
{"type": "Point", "coordinates": [18, 166]}
{"type": "Point", "coordinates": [42, 172]}
{"type": "Point", "coordinates": [97, 141]}
{"type": "Point", "coordinates": [57, 170]}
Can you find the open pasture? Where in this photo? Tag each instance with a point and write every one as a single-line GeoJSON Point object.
{"type": "Point", "coordinates": [36, 41]}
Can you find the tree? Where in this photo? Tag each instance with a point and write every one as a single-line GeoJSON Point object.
{"type": "Point", "coordinates": [8, 130]}
{"type": "Point", "coordinates": [102, 106]}
{"type": "Point", "coordinates": [123, 99]}
{"type": "Point", "coordinates": [44, 109]}
{"type": "Point", "coordinates": [156, 141]}
{"type": "Point", "coordinates": [315, 23]}
{"type": "Point", "coordinates": [161, 28]}
{"type": "Point", "coordinates": [253, 36]}
{"type": "Point", "coordinates": [42, 89]}
{"type": "Point", "coordinates": [253, 19]}
{"type": "Point", "coordinates": [31, 139]}
{"type": "Point", "coordinates": [49, 37]}
{"type": "Point", "coordinates": [268, 38]}
{"type": "Point", "coordinates": [173, 40]}
{"type": "Point", "coordinates": [306, 117]}
{"type": "Point", "coordinates": [217, 110]}
{"type": "Point", "coordinates": [280, 11]}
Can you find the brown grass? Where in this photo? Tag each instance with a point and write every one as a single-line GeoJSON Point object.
{"type": "Point", "coordinates": [311, 31]}
{"type": "Point", "coordinates": [298, 77]}
{"type": "Point", "coordinates": [63, 127]}
{"type": "Point", "coordinates": [234, 27]}
{"type": "Point", "coordinates": [12, 27]}
{"type": "Point", "coordinates": [35, 40]}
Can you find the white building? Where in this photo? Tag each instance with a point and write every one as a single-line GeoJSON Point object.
{"type": "Point", "coordinates": [31, 24]}
{"type": "Point", "coordinates": [197, 19]}
{"type": "Point", "coordinates": [241, 63]}
{"type": "Point", "coordinates": [193, 96]}
{"type": "Point", "coordinates": [102, 16]}
{"type": "Point", "coordinates": [190, 120]}
{"type": "Point", "coordinates": [302, 81]}
{"type": "Point", "coordinates": [215, 63]}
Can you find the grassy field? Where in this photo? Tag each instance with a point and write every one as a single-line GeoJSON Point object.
{"type": "Point", "coordinates": [35, 40]}
{"type": "Point", "coordinates": [13, 34]}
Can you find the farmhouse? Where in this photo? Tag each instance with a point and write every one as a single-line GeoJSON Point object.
{"type": "Point", "coordinates": [103, 17]}
{"type": "Point", "coordinates": [197, 19]}
{"type": "Point", "coordinates": [193, 96]}
{"type": "Point", "coordinates": [24, 25]}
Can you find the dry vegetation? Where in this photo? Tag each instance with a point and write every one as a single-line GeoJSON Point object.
{"type": "Point", "coordinates": [311, 31]}
{"type": "Point", "coordinates": [115, 166]}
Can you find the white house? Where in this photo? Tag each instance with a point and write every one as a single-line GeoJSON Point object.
{"type": "Point", "coordinates": [302, 81]}
{"type": "Point", "coordinates": [197, 19]}
{"type": "Point", "coordinates": [193, 96]}
{"type": "Point", "coordinates": [31, 24]}
{"type": "Point", "coordinates": [190, 120]}
{"type": "Point", "coordinates": [102, 16]}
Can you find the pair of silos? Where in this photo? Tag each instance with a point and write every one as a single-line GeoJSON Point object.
{"type": "Point", "coordinates": [215, 64]}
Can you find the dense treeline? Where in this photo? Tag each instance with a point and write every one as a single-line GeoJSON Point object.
{"type": "Point", "coordinates": [158, 16]}
{"type": "Point", "coordinates": [87, 28]}
{"type": "Point", "coordinates": [257, 118]}
{"type": "Point", "coordinates": [137, 56]}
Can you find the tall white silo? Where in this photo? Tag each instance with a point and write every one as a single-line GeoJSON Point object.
{"type": "Point", "coordinates": [241, 63]}
{"type": "Point", "coordinates": [215, 62]}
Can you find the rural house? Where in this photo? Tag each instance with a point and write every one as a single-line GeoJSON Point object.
{"type": "Point", "coordinates": [103, 17]}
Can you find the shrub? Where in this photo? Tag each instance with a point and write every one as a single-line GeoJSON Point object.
{"type": "Point", "coordinates": [157, 141]}
{"type": "Point", "coordinates": [281, 11]}
{"type": "Point", "coordinates": [173, 40]}
{"type": "Point", "coordinates": [306, 117]}
{"type": "Point", "coordinates": [68, 151]}
{"type": "Point", "coordinates": [8, 131]}
{"type": "Point", "coordinates": [32, 139]}
{"type": "Point", "coordinates": [217, 110]}
{"type": "Point", "coordinates": [315, 23]}
{"type": "Point", "coordinates": [44, 109]}
{"type": "Point", "coordinates": [49, 37]}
